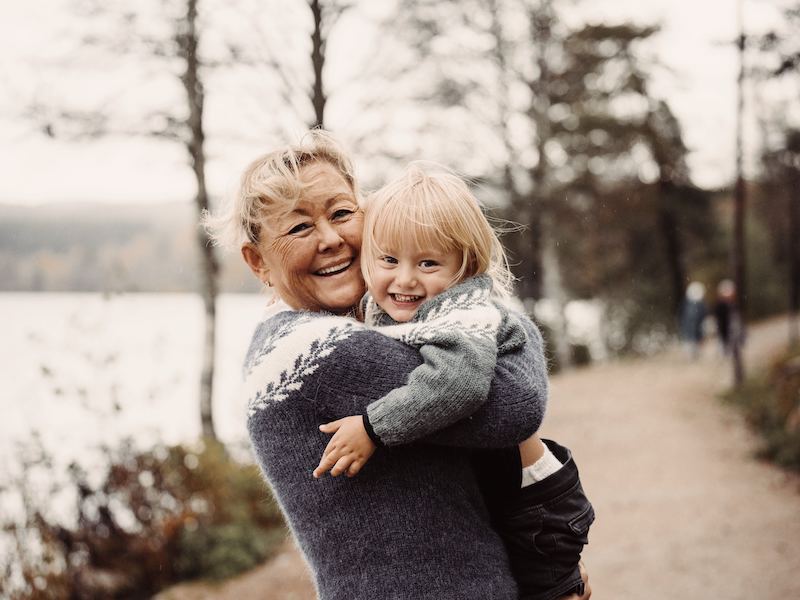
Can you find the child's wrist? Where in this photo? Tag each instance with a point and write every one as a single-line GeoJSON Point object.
{"type": "Point", "coordinates": [371, 432]}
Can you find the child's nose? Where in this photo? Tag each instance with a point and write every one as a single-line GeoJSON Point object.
{"type": "Point", "coordinates": [406, 277]}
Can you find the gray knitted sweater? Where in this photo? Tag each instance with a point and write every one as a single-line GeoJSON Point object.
{"type": "Point", "coordinates": [412, 524]}
{"type": "Point", "coordinates": [459, 334]}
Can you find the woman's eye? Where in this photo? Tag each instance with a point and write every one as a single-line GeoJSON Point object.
{"type": "Point", "coordinates": [341, 213]}
{"type": "Point", "coordinates": [299, 228]}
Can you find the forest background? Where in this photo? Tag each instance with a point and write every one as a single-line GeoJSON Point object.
{"type": "Point", "coordinates": [610, 133]}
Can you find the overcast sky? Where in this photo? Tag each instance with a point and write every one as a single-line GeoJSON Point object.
{"type": "Point", "coordinates": [699, 85]}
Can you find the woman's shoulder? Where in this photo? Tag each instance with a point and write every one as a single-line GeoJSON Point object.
{"type": "Point", "coordinates": [292, 332]}
{"type": "Point", "coordinates": [287, 348]}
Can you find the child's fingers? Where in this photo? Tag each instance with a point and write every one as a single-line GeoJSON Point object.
{"type": "Point", "coordinates": [325, 465]}
{"type": "Point", "coordinates": [355, 467]}
{"type": "Point", "coordinates": [342, 465]}
{"type": "Point", "coordinates": [331, 427]}
{"type": "Point", "coordinates": [333, 445]}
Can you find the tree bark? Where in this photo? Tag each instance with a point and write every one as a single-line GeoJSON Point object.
{"type": "Point", "coordinates": [318, 98]}
{"type": "Point", "coordinates": [193, 85]}
{"type": "Point", "coordinates": [737, 250]}
{"type": "Point", "coordinates": [525, 243]}
{"type": "Point", "coordinates": [541, 21]}
{"type": "Point", "coordinates": [670, 168]}
{"type": "Point", "coordinates": [672, 242]}
{"type": "Point", "coordinates": [794, 258]}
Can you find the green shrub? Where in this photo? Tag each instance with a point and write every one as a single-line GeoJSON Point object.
{"type": "Point", "coordinates": [771, 402]}
{"type": "Point", "coordinates": [221, 551]}
{"type": "Point", "coordinates": [156, 517]}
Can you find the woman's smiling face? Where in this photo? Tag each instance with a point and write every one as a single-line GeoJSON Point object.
{"type": "Point", "coordinates": [311, 254]}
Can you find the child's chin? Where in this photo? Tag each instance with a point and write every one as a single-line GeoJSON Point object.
{"type": "Point", "coordinates": [402, 316]}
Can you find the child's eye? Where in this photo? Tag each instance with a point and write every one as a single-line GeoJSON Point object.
{"type": "Point", "coordinates": [389, 259]}
{"type": "Point", "coordinates": [428, 264]}
{"type": "Point", "coordinates": [299, 228]}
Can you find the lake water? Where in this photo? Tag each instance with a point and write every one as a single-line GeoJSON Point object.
{"type": "Point", "coordinates": [83, 371]}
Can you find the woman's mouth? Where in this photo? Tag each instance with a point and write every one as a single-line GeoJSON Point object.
{"type": "Point", "coordinates": [335, 269]}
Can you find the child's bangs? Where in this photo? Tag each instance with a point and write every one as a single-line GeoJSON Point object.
{"type": "Point", "coordinates": [403, 224]}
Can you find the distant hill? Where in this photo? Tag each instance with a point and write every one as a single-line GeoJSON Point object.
{"type": "Point", "coordinates": [108, 248]}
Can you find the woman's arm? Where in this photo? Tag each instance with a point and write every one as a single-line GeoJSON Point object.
{"type": "Point", "coordinates": [452, 382]}
{"type": "Point", "coordinates": [517, 400]}
{"type": "Point", "coordinates": [367, 365]}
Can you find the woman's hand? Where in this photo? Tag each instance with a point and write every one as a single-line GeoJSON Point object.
{"type": "Point", "coordinates": [348, 450]}
{"type": "Point", "coordinates": [587, 593]}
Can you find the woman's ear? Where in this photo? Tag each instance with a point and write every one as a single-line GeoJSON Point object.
{"type": "Point", "coordinates": [252, 256]}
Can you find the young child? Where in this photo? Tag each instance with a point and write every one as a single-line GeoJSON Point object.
{"type": "Point", "coordinates": [438, 280]}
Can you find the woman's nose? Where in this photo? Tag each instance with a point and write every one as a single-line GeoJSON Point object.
{"type": "Point", "coordinates": [328, 236]}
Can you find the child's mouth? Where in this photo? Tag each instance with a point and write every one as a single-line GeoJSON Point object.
{"type": "Point", "coordinates": [405, 298]}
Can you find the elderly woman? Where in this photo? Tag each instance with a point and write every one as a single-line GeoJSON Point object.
{"type": "Point", "coordinates": [413, 523]}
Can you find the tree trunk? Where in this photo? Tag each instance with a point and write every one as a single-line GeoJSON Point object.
{"type": "Point", "coordinates": [794, 258]}
{"type": "Point", "coordinates": [667, 218]}
{"type": "Point", "coordinates": [188, 42]}
{"type": "Point", "coordinates": [552, 288]}
{"type": "Point", "coordinates": [737, 251]}
{"type": "Point", "coordinates": [554, 291]}
{"type": "Point", "coordinates": [672, 242]}
{"type": "Point", "coordinates": [318, 98]}
{"type": "Point", "coordinates": [524, 244]}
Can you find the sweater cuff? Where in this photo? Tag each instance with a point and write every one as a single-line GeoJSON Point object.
{"type": "Point", "coordinates": [371, 432]}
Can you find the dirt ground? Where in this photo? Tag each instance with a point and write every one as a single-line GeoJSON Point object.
{"type": "Point", "coordinates": [684, 510]}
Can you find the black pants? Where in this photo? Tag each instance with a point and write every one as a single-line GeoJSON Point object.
{"type": "Point", "coordinates": [544, 527]}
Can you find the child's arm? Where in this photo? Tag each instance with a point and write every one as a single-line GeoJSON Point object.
{"type": "Point", "coordinates": [520, 380]}
{"type": "Point", "coordinates": [460, 331]}
{"type": "Point", "coordinates": [451, 383]}
{"type": "Point", "coordinates": [353, 371]}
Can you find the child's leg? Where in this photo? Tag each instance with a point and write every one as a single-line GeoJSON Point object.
{"type": "Point", "coordinates": [531, 450]}
{"type": "Point", "coordinates": [538, 461]}
{"type": "Point", "coordinates": [545, 528]}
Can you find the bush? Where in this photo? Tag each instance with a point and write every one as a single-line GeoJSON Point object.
{"type": "Point", "coordinates": [157, 517]}
{"type": "Point", "coordinates": [771, 403]}
{"type": "Point", "coordinates": [222, 551]}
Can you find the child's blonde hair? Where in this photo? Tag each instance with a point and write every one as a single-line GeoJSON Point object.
{"type": "Point", "coordinates": [430, 207]}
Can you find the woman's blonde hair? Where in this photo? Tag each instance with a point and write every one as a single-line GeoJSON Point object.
{"type": "Point", "coordinates": [271, 185]}
{"type": "Point", "coordinates": [430, 207]}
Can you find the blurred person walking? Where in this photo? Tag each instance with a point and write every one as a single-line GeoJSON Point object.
{"type": "Point", "coordinates": [693, 313]}
{"type": "Point", "coordinates": [723, 314]}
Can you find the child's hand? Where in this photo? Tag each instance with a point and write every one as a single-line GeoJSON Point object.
{"type": "Point", "coordinates": [349, 448]}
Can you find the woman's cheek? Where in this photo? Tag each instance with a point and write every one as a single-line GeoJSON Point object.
{"type": "Point", "coordinates": [355, 230]}
{"type": "Point", "coordinates": [293, 259]}
{"type": "Point", "coordinates": [288, 252]}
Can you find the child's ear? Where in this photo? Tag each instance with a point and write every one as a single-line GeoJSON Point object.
{"type": "Point", "coordinates": [252, 256]}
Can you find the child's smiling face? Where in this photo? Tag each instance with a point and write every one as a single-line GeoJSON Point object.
{"type": "Point", "coordinates": [403, 279]}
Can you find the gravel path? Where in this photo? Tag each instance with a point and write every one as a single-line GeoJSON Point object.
{"type": "Point", "coordinates": [684, 511]}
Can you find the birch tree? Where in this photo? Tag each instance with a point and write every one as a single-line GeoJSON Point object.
{"type": "Point", "coordinates": [167, 38]}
